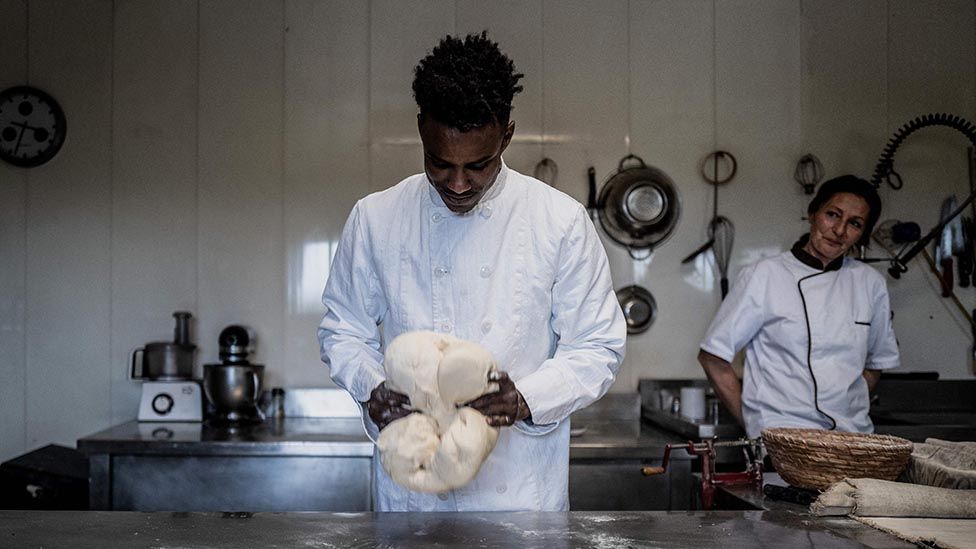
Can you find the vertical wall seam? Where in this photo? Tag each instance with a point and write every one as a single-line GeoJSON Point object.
{"type": "Point", "coordinates": [630, 78]}
{"type": "Point", "coordinates": [111, 214]}
{"type": "Point", "coordinates": [283, 188]}
{"type": "Point", "coordinates": [26, 280]}
{"type": "Point", "coordinates": [196, 172]}
{"type": "Point", "coordinates": [369, 93]}
{"type": "Point", "coordinates": [714, 75]}
{"type": "Point", "coordinates": [542, 69]}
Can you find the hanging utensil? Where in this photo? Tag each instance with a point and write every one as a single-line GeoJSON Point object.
{"type": "Point", "coordinates": [591, 204]}
{"type": "Point", "coordinates": [639, 206]}
{"type": "Point", "coordinates": [808, 173]}
{"type": "Point", "coordinates": [547, 171]}
{"type": "Point", "coordinates": [723, 232]}
{"type": "Point", "coordinates": [639, 307]}
{"type": "Point", "coordinates": [945, 246]}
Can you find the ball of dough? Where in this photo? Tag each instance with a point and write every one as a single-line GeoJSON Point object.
{"type": "Point", "coordinates": [463, 448]}
{"type": "Point", "coordinates": [463, 373]}
{"type": "Point", "coordinates": [440, 447]}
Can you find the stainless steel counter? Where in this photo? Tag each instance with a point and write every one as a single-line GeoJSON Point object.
{"type": "Point", "coordinates": [600, 439]}
{"type": "Point", "coordinates": [105, 530]}
{"type": "Point", "coordinates": [324, 464]}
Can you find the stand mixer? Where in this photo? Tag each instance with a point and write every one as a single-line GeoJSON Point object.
{"type": "Point", "coordinates": [234, 385]}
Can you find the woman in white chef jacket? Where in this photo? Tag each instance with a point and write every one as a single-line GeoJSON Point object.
{"type": "Point", "coordinates": [815, 323]}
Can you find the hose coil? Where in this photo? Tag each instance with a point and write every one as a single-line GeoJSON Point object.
{"type": "Point", "coordinates": [885, 167]}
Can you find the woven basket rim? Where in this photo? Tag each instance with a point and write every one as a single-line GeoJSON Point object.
{"type": "Point", "coordinates": [823, 438]}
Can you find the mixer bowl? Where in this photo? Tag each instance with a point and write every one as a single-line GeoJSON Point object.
{"type": "Point", "coordinates": [233, 389]}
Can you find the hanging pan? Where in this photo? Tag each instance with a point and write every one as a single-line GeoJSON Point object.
{"type": "Point", "coordinates": [639, 308]}
{"type": "Point", "coordinates": [639, 206]}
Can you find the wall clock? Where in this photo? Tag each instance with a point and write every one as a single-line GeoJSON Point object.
{"type": "Point", "coordinates": [32, 126]}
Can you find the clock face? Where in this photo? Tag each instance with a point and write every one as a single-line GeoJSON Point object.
{"type": "Point", "coordinates": [32, 126]}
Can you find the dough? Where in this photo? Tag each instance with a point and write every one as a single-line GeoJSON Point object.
{"type": "Point", "coordinates": [442, 446]}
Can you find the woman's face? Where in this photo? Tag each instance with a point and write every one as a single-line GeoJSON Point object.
{"type": "Point", "coordinates": [837, 226]}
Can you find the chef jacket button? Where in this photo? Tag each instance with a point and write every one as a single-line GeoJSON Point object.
{"type": "Point", "coordinates": [501, 489]}
{"type": "Point", "coordinates": [445, 327]}
{"type": "Point", "coordinates": [442, 496]}
{"type": "Point", "coordinates": [436, 217]}
{"type": "Point", "coordinates": [441, 271]}
{"type": "Point", "coordinates": [486, 326]}
{"type": "Point", "coordinates": [486, 212]}
{"type": "Point", "coordinates": [485, 271]}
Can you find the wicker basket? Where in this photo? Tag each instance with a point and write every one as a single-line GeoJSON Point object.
{"type": "Point", "coordinates": [815, 458]}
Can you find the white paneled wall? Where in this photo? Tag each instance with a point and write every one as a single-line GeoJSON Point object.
{"type": "Point", "coordinates": [13, 249]}
{"type": "Point", "coordinates": [68, 271]}
{"type": "Point", "coordinates": [215, 148]}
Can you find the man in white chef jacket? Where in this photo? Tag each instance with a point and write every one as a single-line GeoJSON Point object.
{"type": "Point", "coordinates": [474, 249]}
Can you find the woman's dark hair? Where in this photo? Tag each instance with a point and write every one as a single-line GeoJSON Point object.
{"type": "Point", "coordinates": [467, 83]}
{"type": "Point", "coordinates": [856, 186]}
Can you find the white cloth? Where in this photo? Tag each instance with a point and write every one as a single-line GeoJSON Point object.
{"type": "Point", "coordinates": [525, 275]}
{"type": "Point", "coordinates": [850, 330]}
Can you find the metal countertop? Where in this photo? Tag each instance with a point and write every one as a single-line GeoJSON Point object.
{"type": "Point", "coordinates": [750, 529]}
{"type": "Point", "coordinates": [601, 439]}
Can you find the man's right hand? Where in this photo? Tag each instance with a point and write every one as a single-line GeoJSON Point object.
{"type": "Point", "coordinates": [386, 405]}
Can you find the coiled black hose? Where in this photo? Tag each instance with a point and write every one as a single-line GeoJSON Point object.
{"type": "Point", "coordinates": [885, 167]}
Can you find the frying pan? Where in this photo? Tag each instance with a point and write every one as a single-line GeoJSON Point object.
{"type": "Point", "coordinates": [638, 206]}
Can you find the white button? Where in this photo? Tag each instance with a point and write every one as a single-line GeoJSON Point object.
{"type": "Point", "coordinates": [485, 271]}
{"type": "Point", "coordinates": [486, 211]}
{"type": "Point", "coordinates": [442, 496]}
{"type": "Point", "coordinates": [501, 489]}
{"type": "Point", "coordinates": [436, 217]}
{"type": "Point", "coordinates": [445, 327]}
{"type": "Point", "coordinates": [441, 271]}
{"type": "Point", "coordinates": [486, 326]}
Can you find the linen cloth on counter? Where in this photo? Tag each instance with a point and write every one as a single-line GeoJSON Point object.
{"type": "Point", "coordinates": [943, 463]}
{"type": "Point", "coordinates": [927, 532]}
{"type": "Point", "coordinates": [869, 497]}
{"type": "Point", "coordinates": [524, 275]}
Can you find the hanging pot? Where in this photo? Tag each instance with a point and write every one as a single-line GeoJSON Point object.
{"type": "Point", "coordinates": [639, 206]}
{"type": "Point", "coordinates": [639, 308]}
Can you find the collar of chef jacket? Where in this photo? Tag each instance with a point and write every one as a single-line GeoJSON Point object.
{"type": "Point", "coordinates": [493, 192]}
{"type": "Point", "coordinates": [804, 257]}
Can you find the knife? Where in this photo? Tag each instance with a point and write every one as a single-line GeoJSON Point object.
{"type": "Point", "coordinates": [944, 248]}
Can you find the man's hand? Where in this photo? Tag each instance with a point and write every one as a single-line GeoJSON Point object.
{"type": "Point", "coordinates": [386, 405]}
{"type": "Point", "coordinates": [503, 407]}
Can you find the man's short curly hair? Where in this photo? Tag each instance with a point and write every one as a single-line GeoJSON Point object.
{"type": "Point", "coordinates": [466, 83]}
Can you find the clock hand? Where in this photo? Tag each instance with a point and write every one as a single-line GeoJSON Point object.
{"type": "Point", "coordinates": [23, 129]}
{"type": "Point", "coordinates": [20, 137]}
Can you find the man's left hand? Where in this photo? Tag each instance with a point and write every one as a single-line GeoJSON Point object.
{"type": "Point", "coordinates": [503, 407]}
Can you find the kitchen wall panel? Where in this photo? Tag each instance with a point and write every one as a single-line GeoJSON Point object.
{"type": "Point", "coordinates": [516, 26]}
{"type": "Point", "coordinates": [843, 81]}
{"type": "Point", "coordinates": [671, 126]}
{"type": "Point", "coordinates": [241, 247]}
{"type": "Point", "coordinates": [154, 198]}
{"type": "Point", "coordinates": [326, 160]}
{"type": "Point", "coordinates": [13, 249]}
{"type": "Point", "coordinates": [585, 85]}
{"type": "Point", "coordinates": [400, 34]}
{"type": "Point", "coordinates": [68, 308]}
{"type": "Point", "coordinates": [215, 148]}
{"type": "Point", "coordinates": [931, 72]}
{"type": "Point", "coordinates": [757, 69]}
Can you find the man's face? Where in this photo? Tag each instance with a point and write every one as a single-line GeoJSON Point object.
{"type": "Point", "coordinates": [462, 166]}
